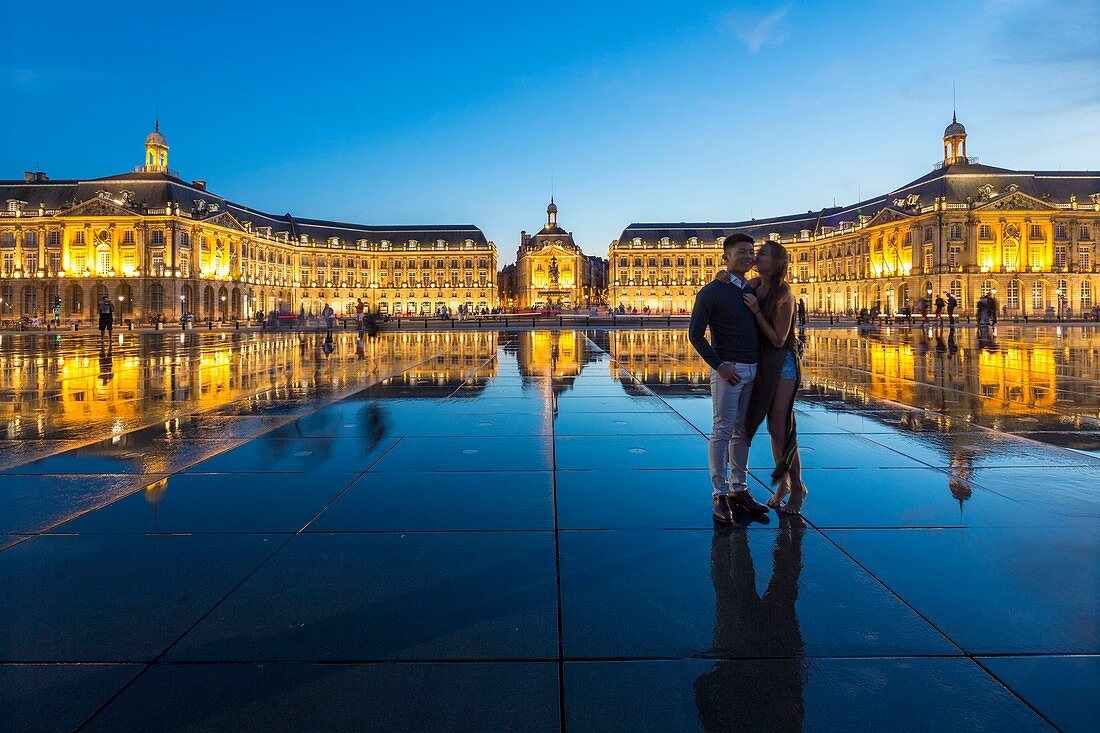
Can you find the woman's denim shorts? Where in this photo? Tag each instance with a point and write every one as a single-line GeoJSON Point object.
{"type": "Point", "coordinates": [789, 370]}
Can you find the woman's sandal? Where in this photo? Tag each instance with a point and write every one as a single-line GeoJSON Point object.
{"type": "Point", "coordinates": [786, 508]}
{"type": "Point", "coordinates": [778, 496]}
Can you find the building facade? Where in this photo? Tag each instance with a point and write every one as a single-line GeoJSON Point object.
{"type": "Point", "coordinates": [1029, 238]}
{"type": "Point", "coordinates": [552, 272]}
{"type": "Point", "coordinates": [159, 246]}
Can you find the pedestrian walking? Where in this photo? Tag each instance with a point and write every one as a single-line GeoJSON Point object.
{"type": "Point", "coordinates": [329, 315]}
{"type": "Point", "coordinates": [732, 353]}
{"type": "Point", "coordinates": [106, 318]}
{"type": "Point", "coordinates": [952, 304]}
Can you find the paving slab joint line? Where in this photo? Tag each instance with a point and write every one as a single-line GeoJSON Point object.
{"type": "Point", "coordinates": [161, 476]}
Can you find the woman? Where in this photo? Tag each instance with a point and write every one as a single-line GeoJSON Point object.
{"type": "Point", "coordinates": [778, 374]}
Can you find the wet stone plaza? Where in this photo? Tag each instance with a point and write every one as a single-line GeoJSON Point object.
{"type": "Point", "coordinates": [483, 531]}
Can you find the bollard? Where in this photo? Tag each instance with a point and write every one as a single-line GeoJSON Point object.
{"type": "Point", "coordinates": [209, 325]}
{"type": "Point", "coordinates": [506, 321]}
{"type": "Point", "coordinates": [76, 325]}
{"type": "Point", "coordinates": [129, 325]}
{"type": "Point", "coordinates": [156, 325]}
{"type": "Point", "coordinates": [237, 325]}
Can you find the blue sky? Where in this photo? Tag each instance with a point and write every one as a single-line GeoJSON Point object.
{"type": "Point", "coordinates": [461, 112]}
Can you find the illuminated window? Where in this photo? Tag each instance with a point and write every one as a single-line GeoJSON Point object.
{"type": "Point", "coordinates": [956, 231]}
{"type": "Point", "coordinates": [32, 263]}
{"type": "Point", "coordinates": [1060, 256]}
{"type": "Point", "coordinates": [953, 254]}
{"type": "Point", "coordinates": [79, 238]}
{"type": "Point", "coordinates": [1059, 231]}
{"type": "Point", "coordinates": [985, 231]}
{"type": "Point", "coordinates": [53, 238]}
{"type": "Point", "coordinates": [1036, 258]}
{"type": "Point", "coordinates": [55, 262]}
{"type": "Point", "coordinates": [1037, 299]}
{"type": "Point", "coordinates": [1036, 231]}
{"type": "Point", "coordinates": [103, 261]}
{"type": "Point", "coordinates": [9, 264]}
{"type": "Point", "coordinates": [1084, 233]}
{"type": "Point", "coordinates": [1014, 294]}
{"type": "Point", "coordinates": [928, 261]}
{"type": "Point", "coordinates": [1086, 295]}
{"type": "Point", "coordinates": [1086, 258]}
{"type": "Point", "coordinates": [128, 237]}
{"type": "Point", "coordinates": [1011, 256]}
{"type": "Point", "coordinates": [158, 262]}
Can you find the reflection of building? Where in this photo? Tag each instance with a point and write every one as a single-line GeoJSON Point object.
{"type": "Point", "coordinates": [551, 270]}
{"type": "Point", "coordinates": [1028, 237]}
{"type": "Point", "coordinates": [156, 244]}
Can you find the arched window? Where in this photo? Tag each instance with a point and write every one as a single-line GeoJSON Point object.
{"type": "Point", "coordinates": [1011, 255]}
{"type": "Point", "coordinates": [156, 298]}
{"type": "Point", "coordinates": [1038, 302]}
{"type": "Point", "coordinates": [103, 260]}
{"type": "Point", "coordinates": [987, 287]}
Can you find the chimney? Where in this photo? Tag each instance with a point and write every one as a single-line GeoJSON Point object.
{"type": "Point", "coordinates": [201, 185]}
{"type": "Point", "coordinates": [29, 176]}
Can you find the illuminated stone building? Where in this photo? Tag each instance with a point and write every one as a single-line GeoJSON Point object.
{"type": "Point", "coordinates": [551, 271]}
{"type": "Point", "coordinates": [158, 245]}
{"type": "Point", "coordinates": [1027, 237]}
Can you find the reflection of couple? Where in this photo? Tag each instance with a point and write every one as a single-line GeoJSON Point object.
{"type": "Point", "coordinates": [762, 689]}
{"type": "Point", "coordinates": [755, 373]}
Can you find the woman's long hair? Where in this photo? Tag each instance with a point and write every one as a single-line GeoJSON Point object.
{"type": "Point", "coordinates": [775, 284]}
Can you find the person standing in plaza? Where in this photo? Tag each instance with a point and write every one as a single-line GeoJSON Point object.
{"type": "Point", "coordinates": [359, 307]}
{"type": "Point", "coordinates": [952, 304]}
{"type": "Point", "coordinates": [329, 315]}
{"type": "Point", "coordinates": [940, 303]}
{"type": "Point", "coordinates": [732, 353]}
{"type": "Point", "coordinates": [106, 318]}
{"type": "Point", "coordinates": [778, 374]}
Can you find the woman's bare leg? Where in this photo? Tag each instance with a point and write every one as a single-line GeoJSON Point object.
{"type": "Point", "coordinates": [777, 417]}
{"type": "Point", "coordinates": [777, 429]}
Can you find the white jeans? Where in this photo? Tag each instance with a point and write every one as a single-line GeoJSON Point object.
{"type": "Point", "coordinates": [727, 447]}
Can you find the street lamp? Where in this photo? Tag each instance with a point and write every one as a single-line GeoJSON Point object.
{"type": "Point", "coordinates": [1059, 293]}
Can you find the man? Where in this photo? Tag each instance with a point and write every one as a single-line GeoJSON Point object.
{"type": "Point", "coordinates": [732, 353]}
{"type": "Point", "coordinates": [359, 315]}
{"type": "Point", "coordinates": [801, 312]}
{"type": "Point", "coordinates": [106, 318]}
{"type": "Point", "coordinates": [329, 315]}
{"type": "Point", "coordinates": [940, 303]}
{"type": "Point", "coordinates": [952, 304]}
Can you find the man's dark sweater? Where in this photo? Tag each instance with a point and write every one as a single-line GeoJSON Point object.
{"type": "Point", "coordinates": [721, 306]}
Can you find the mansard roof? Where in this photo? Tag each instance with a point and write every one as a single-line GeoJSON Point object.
{"type": "Point", "coordinates": [955, 183]}
{"type": "Point", "coordinates": [161, 190]}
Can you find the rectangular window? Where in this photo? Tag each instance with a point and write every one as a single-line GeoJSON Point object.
{"type": "Point", "coordinates": [128, 236]}
{"type": "Point", "coordinates": [1036, 231]}
{"type": "Point", "coordinates": [55, 263]}
{"type": "Point", "coordinates": [928, 234]}
{"type": "Point", "coordinates": [30, 239]}
{"type": "Point", "coordinates": [9, 263]}
{"type": "Point", "coordinates": [1060, 256]}
{"type": "Point", "coordinates": [79, 238]}
{"type": "Point", "coordinates": [1084, 233]}
{"type": "Point", "coordinates": [79, 264]}
{"type": "Point", "coordinates": [54, 238]}
{"type": "Point", "coordinates": [1086, 258]}
{"type": "Point", "coordinates": [185, 264]}
{"type": "Point", "coordinates": [985, 231]}
{"type": "Point", "coordinates": [953, 256]}
{"type": "Point", "coordinates": [185, 239]}
{"type": "Point", "coordinates": [1059, 231]}
{"type": "Point", "coordinates": [956, 231]}
{"type": "Point", "coordinates": [32, 263]}
{"type": "Point", "coordinates": [158, 236]}
{"type": "Point", "coordinates": [928, 261]}
{"type": "Point", "coordinates": [158, 262]}
{"type": "Point", "coordinates": [1013, 294]}
{"type": "Point", "coordinates": [1036, 258]}
{"type": "Point", "coordinates": [103, 262]}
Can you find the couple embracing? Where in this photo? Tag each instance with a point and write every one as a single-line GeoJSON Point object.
{"type": "Point", "coordinates": [755, 373]}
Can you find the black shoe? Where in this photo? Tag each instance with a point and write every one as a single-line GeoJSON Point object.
{"type": "Point", "coordinates": [722, 512]}
{"type": "Point", "coordinates": [744, 500]}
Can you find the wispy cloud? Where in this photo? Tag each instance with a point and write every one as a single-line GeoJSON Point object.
{"type": "Point", "coordinates": [758, 31]}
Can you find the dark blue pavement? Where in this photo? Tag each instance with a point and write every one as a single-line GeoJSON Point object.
{"type": "Point", "coordinates": [523, 541]}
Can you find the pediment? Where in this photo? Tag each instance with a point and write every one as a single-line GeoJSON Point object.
{"type": "Point", "coordinates": [98, 207]}
{"type": "Point", "coordinates": [225, 219]}
{"type": "Point", "coordinates": [887, 216]}
{"type": "Point", "coordinates": [1016, 202]}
